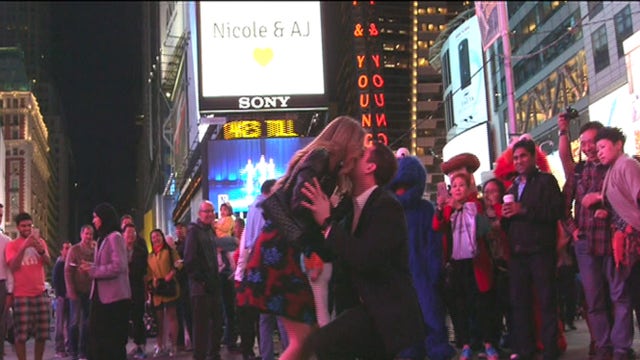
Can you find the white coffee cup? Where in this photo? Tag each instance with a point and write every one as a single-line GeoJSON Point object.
{"type": "Point", "coordinates": [508, 198]}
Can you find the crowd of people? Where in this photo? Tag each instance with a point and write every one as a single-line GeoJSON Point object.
{"type": "Point", "coordinates": [344, 258]}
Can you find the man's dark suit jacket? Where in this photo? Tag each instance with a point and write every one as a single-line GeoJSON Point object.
{"type": "Point", "coordinates": [376, 263]}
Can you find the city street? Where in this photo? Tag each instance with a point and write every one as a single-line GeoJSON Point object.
{"type": "Point", "coordinates": [578, 347]}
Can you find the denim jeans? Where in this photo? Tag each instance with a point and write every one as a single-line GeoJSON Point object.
{"type": "Point", "coordinates": [62, 321]}
{"type": "Point", "coordinates": [267, 327]}
{"type": "Point", "coordinates": [596, 272]}
{"type": "Point", "coordinates": [79, 326]}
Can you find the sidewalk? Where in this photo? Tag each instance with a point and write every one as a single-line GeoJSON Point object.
{"type": "Point", "coordinates": [578, 347]}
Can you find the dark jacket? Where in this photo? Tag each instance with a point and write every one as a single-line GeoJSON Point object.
{"type": "Point", "coordinates": [182, 276]}
{"type": "Point", "coordinates": [201, 260]}
{"type": "Point", "coordinates": [57, 277]}
{"type": "Point", "coordinates": [536, 229]}
{"type": "Point", "coordinates": [315, 165]}
{"type": "Point", "coordinates": [375, 258]}
{"type": "Point", "coordinates": [138, 270]}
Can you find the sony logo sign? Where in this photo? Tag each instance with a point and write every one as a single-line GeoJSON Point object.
{"type": "Point", "coordinates": [263, 102]}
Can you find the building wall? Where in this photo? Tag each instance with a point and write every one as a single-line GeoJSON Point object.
{"type": "Point", "coordinates": [27, 161]}
{"type": "Point", "coordinates": [614, 75]}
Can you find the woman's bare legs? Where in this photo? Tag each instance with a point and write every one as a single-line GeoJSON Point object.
{"type": "Point", "coordinates": [172, 328]}
{"type": "Point", "coordinates": [161, 328]}
{"type": "Point", "coordinates": [297, 333]}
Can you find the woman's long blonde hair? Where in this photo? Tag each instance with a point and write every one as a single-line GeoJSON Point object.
{"type": "Point", "coordinates": [344, 140]}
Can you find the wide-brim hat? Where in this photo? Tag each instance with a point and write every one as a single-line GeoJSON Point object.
{"type": "Point", "coordinates": [464, 160]}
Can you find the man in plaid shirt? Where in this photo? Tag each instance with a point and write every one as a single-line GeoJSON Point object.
{"type": "Point", "coordinates": [591, 231]}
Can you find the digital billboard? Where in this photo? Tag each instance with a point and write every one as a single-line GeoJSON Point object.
{"type": "Point", "coordinates": [464, 70]}
{"type": "Point", "coordinates": [616, 109]}
{"type": "Point", "coordinates": [260, 56]}
{"type": "Point", "coordinates": [237, 168]}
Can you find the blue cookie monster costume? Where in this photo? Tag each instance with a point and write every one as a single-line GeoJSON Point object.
{"type": "Point", "coordinates": [425, 259]}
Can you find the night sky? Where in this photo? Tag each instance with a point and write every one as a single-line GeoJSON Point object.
{"type": "Point", "coordinates": [96, 65]}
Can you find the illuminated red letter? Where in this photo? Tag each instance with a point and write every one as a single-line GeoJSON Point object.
{"type": "Point", "coordinates": [364, 100]}
{"type": "Point", "coordinates": [366, 120]}
{"type": "Point", "coordinates": [378, 81]}
{"type": "Point", "coordinates": [379, 98]}
{"type": "Point", "coordinates": [382, 137]}
{"type": "Point", "coordinates": [376, 60]}
{"type": "Point", "coordinates": [363, 81]}
{"type": "Point", "coordinates": [381, 120]}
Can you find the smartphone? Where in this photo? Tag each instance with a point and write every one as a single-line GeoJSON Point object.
{"type": "Point", "coordinates": [36, 233]}
{"type": "Point", "coordinates": [442, 189]}
{"type": "Point", "coordinates": [465, 66]}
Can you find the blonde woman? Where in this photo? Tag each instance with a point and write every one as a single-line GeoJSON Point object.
{"type": "Point", "coordinates": [163, 263]}
{"type": "Point", "coordinates": [274, 281]}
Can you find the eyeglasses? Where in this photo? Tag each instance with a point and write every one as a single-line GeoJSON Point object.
{"type": "Point", "coordinates": [207, 211]}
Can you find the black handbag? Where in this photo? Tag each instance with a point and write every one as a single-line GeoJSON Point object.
{"type": "Point", "coordinates": [166, 288]}
{"type": "Point", "coordinates": [277, 210]}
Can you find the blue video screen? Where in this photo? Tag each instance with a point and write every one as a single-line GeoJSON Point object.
{"type": "Point", "coordinates": [237, 168]}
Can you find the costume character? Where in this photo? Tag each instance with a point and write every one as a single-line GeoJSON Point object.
{"type": "Point", "coordinates": [425, 258]}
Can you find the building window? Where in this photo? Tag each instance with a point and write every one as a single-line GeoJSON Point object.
{"type": "Point", "coordinates": [624, 27]}
{"type": "Point", "coordinates": [15, 183]}
{"type": "Point", "coordinates": [600, 48]}
{"type": "Point", "coordinates": [594, 8]}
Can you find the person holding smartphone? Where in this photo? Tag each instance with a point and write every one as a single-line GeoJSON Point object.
{"type": "Point", "coordinates": [27, 256]}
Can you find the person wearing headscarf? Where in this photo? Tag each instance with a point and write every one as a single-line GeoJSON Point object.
{"type": "Point", "coordinates": [110, 291]}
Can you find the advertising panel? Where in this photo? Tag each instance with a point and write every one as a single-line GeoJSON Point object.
{"type": "Point", "coordinates": [260, 56]}
{"type": "Point", "coordinates": [466, 72]}
{"type": "Point", "coordinates": [237, 168]}
{"type": "Point", "coordinates": [616, 109]}
{"type": "Point", "coordinates": [474, 140]}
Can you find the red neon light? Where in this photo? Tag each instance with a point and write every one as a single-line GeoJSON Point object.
{"type": "Point", "coordinates": [364, 100]}
{"type": "Point", "coordinates": [381, 120]}
{"type": "Point", "coordinates": [373, 29]}
{"type": "Point", "coordinates": [378, 80]}
{"type": "Point", "coordinates": [379, 99]}
{"type": "Point", "coordinates": [363, 81]}
{"type": "Point", "coordinates": [376, 60]}
{"type": "Point", "coordinates": [382, 137]}
{"type": "Point", "coordinates": [366, 120]}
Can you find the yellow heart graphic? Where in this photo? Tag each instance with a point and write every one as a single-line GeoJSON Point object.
{"type": "Point", "coordinates": [263, 56]}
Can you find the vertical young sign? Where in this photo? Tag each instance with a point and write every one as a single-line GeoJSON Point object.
{"type": "Point", "coordinates": [369, 70]}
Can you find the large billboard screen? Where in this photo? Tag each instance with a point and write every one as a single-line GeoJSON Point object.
{"type": "Point", "coordinates": [260, 56]}
{"type": "Point", "coordinates": [237, 168]}
{"type": "Point", "coordinates": [616, 109]}
{"type": "Point", "coordinates": [465, 71]}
